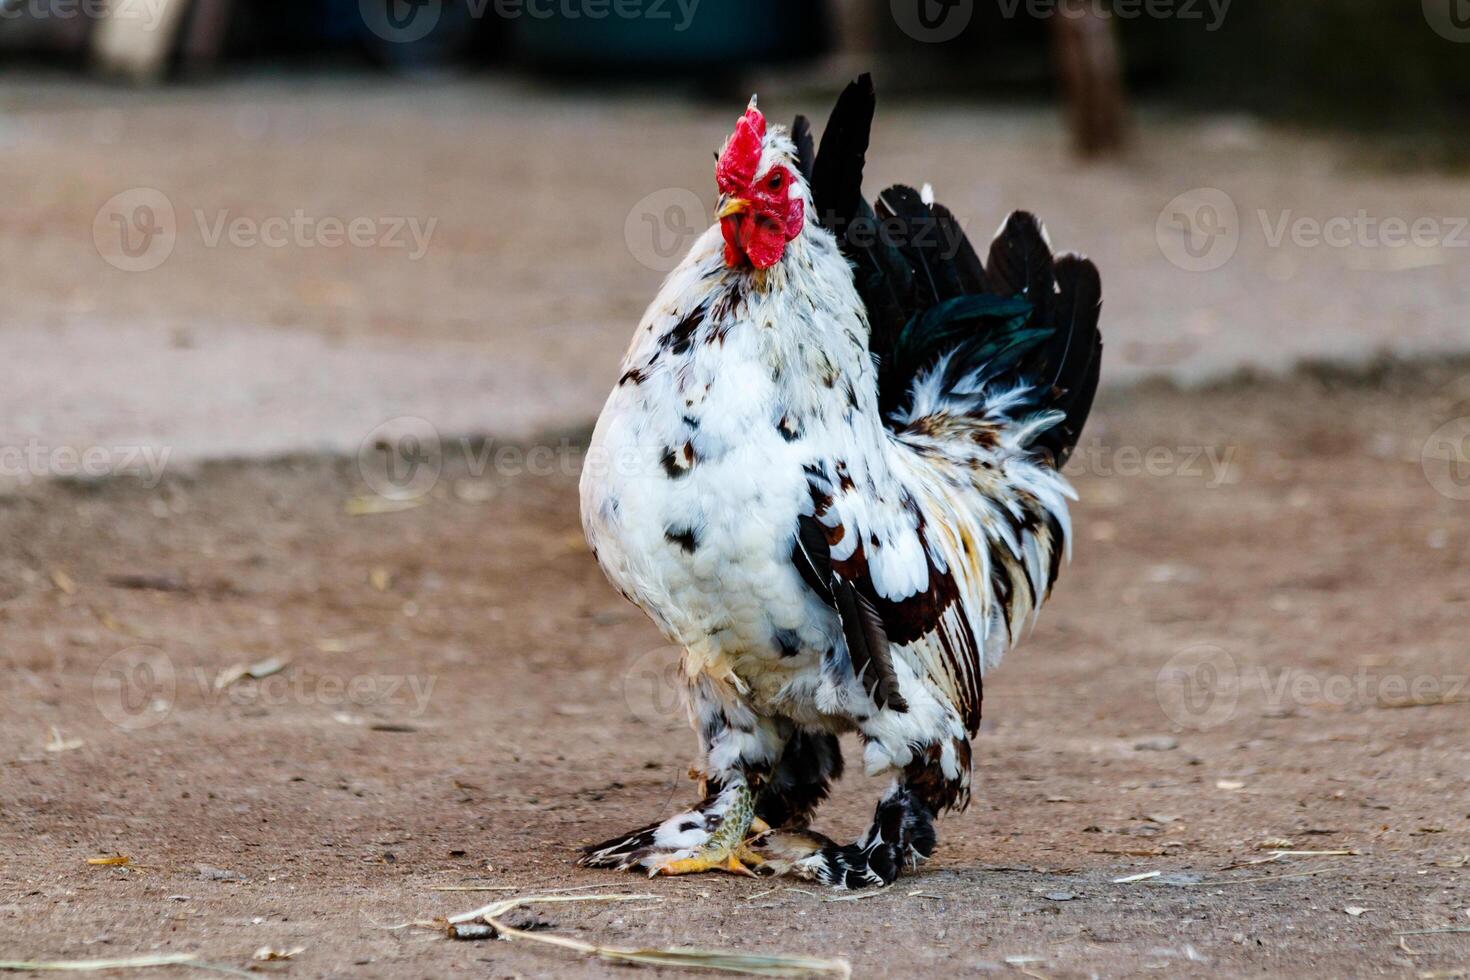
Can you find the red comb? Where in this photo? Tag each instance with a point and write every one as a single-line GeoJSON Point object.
{"type": "Point", "coordinates": [742, 155]}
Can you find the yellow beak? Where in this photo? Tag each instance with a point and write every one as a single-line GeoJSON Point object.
{"type": "Point", "coordinates": [732, 207]}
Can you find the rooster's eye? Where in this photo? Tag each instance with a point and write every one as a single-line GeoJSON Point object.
{"type": "Point", "coordinates": [774, 182]}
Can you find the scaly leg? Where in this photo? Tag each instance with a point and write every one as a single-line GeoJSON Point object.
{"type": "Point", "coordinates": [901, 837]}
{"type": "Point", "coordinates": [740, 750]}
{"type": "Point", "coordinates": [724, 849]}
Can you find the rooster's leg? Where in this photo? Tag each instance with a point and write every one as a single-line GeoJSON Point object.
{"type": "Point", "coordinates": [710, 837]}
{"type": "Point", "coordinates": [901, 837]}
{"type": "Point", "coordinates": [724, 848]}
{"type": "Point", "coordinates": [740, 751]}
{"type": "Point", "coordinates": [810, 763]}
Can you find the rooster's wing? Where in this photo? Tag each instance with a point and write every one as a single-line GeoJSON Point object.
{"type": "Point", "coordinates": [986, 375]}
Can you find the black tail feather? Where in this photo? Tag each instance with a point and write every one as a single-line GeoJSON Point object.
{"type": "Point", "coordinates": [914, 231]}
{"type": "Point", "coordinates": [806, 147]}
{"type": "Point", "coordinates": [1075, 361]}
{"type": "Point", "coordinates": [967, 264]}
{"type": "Point", "coordinates": [1021, 264]}
{"type": "Point", "coordinates": [1020, 317]}
{"type": "Point", "coordinates": [837, 175]}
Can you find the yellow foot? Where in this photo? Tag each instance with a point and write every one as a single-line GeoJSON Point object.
{"type": "Point", "coordinates": [740, 861]}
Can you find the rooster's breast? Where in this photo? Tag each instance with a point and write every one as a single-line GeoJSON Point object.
{"type": "Point", "coordinates": [690, 500]}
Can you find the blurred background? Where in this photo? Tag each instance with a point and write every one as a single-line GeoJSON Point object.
{"type": "Point", "coordinates": [553, 158]}
{"type": "Point", "coordinates": [307, 308]}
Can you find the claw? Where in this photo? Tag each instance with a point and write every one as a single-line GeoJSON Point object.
{"type": "Point", "coordinates": [741, 861]}
{"type": "Point", "coordinates": [682, 845]}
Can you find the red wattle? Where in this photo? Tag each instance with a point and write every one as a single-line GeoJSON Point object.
{"type": "Point", "coordinates": [754, 240]}
{"type": "Point", "coordinates": [734, 257]}
{"type": "Point", "coordinates": [764, 241]}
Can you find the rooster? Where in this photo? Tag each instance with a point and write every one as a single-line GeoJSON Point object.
{"type": "Point", "coordinates": [830, 473]}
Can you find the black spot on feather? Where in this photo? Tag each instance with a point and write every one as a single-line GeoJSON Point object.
{"type": "Point", "coordinates": [683, 537]}
{"type": "Point", "coordinates": [678, 462]}
{"type": "Point", "coordinates": [681, 337]}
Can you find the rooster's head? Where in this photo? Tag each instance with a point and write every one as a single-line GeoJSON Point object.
{"type": "Point", "coordinates": [762, 197]}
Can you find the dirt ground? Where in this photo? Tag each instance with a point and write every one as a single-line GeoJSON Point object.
{"type": "Point", "coordinates": [1267, 574]}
